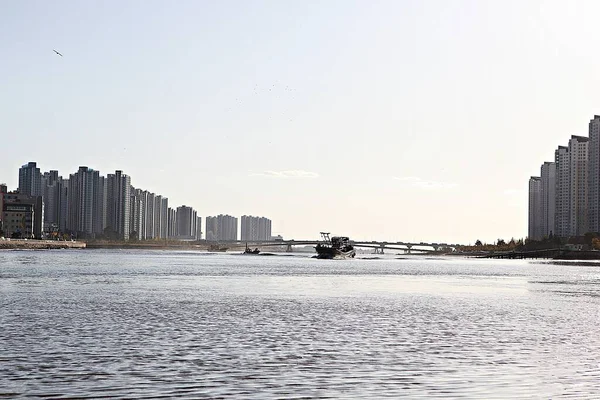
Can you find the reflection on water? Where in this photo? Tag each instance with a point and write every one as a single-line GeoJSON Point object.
{"type": "Point", "coordinates": [142, 324]}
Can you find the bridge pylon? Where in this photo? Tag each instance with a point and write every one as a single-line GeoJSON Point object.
{"type": "Point", "coordinates": [379, 250]}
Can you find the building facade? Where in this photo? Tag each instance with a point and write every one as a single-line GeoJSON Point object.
{"type": "Point", "coordinates": [255, 228]}
{"type": "Point", "coordinates": [186, 223]}
{"type": "Point", "coordinates": [118, 205]}
{"type": "Point", "coordinates": [562, 192]}
{"type": "Point", "coordinates": [23, 215]}
{"type": "Point", "coordinates": [135, 214]}
{"type": "Point", "coordinates": [594, 175]}
{"type": "Point", "coordinates": [55, 203]}
{"type": "Point", "coordinates": [198, 228]}
{"type": "Point", "coordinates": [164, 218]}
{"type": "Point", "coordinates": [578, 155]}
{"type": "Point", "coordinates": [3, 191]}
{"type": "Point", "coordinates": [30, 180]}
{"type": "Point", "coordinates": [86, 203]}
{"type": "Point", "coordinates": [172, 223]}
{"type": "Point", "coordinates": [535, 208]}
{"type": "Point", "coordinates": [149, 215]}
{"type": "Point", "coordinates": [548, 177]}
{"type": "Point", "coordinates": [221, 227]}
{"type": "Point", "coordinates": [211, 228]}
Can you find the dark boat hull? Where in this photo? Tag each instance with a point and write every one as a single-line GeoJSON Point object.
{"type": "Point", "coordinates": [330, 253]}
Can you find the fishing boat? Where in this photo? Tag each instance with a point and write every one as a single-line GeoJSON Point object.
{"type": "Point", "coordinates": [250, 251]}
{"type": "Point", "coordinates": [336, 247]}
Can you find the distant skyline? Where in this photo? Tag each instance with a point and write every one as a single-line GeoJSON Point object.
{"type": "Point", "coordinates": [411, 120]}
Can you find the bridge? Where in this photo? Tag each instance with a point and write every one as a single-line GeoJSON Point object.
{"type": "Point", "coordinates": [378, 247]}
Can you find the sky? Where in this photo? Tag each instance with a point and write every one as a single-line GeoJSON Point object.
{"type": "Point", "coordinates": [379, 120]}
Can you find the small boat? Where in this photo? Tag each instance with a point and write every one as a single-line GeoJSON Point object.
{"type": "Point", "coordinates": [336, 247]}
{"type": "Point", "coordinates": [249, 251]}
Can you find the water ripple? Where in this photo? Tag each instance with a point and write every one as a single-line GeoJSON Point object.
{"type": "Point", "coordinates": [104, 324]}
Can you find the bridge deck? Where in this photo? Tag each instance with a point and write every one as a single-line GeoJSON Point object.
{"type": "Point", "coordinates": [373, 245]}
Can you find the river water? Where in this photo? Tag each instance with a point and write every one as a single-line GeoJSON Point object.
{"type": "Point", "coordinates": [142, 324]}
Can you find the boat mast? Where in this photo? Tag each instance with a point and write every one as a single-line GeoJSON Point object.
{"type": "Point", "coordinates": [325, 237]}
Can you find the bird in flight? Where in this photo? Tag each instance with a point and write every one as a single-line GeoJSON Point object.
{"type": "Point", "coordinates": [57, 52]}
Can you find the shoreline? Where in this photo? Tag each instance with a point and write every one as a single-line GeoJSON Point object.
{"type": "Point", "coordinates": [144, 245]}
{"type": "Point", "coordinates": [33, 244]}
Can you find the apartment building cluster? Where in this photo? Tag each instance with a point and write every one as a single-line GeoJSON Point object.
{"type": "Point", "coordinates": [564, 200]}
{"type": "Point", "coordinates": [255, 228]}
{"type": "Point", "coordinates": [225, 227]}
{"type": "Point", "coordinates": [89, 205]}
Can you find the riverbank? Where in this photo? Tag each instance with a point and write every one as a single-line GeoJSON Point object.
{"type": "Point", "coordinates": [551, 254]}
{"type": "Point", "coordinates": [148, 245]}
{"type": "Point", "coordinates": [23, 244]}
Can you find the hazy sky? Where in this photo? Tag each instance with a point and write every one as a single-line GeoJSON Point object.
{"type": "Point", "coordinates": [397, 120]}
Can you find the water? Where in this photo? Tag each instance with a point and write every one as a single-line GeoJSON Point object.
{"type": "Point", "coordinates": [141, 324]}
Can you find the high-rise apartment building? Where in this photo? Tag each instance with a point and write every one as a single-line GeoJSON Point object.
{"type": "Point", "coordinates": [548, 202]}
{"type": "Point", "coordinates": [562, 192]}
{"type": "Point", "coordinates": [255, 228]}
{"type": "Point", "coordinates": [211, 228]}
{"type": "Point", "coordinates": [164, 218]}
{"type": "Point", "coordinates": [172, 222]}
{"type": "Point", "coordinates": [157, 216]}
{"type": "Point", "coordinates": [535, 208]}
{"type": "Point", "coordinates": [136, 215]}
{"type": "Point", "coordinates": [264, 229]}
{"type": "Point", "coordinates": [30, 180]}
{"type": "Point", "coordinates": [198, 228]}
{"type": "Point", "coordinates": [55, 203]}
{"type": "Point", "coordinates": [160, 217]}
{"type": "Point", "coordinates": [85, 203]}
{"type": "Point", "coordinates": [249, 228]}
{"type": "Point", "coordinates": [571, 195]}
{"type": "Point", "coordinates": [149, 215]}
{"type": "Point", "coordinates": [594, 175]}
{"type": "Point", "coordinates": [64, 213]}
{"type": "Point", "coordinates": [118, 204]}
{"type": "Point", "coordinates": [227, 227]}
{"type": "Point", "coordinates": [221, 227]}
{"type": "Point", "coordinates": [578, 154]}
{"type": "Point", "coordinates": [186, 222]}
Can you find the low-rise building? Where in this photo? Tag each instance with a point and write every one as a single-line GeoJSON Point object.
{"type": "Point", "coordinates": [18, 220]}
{"type": "Point", "coordinates": [22, 215]}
